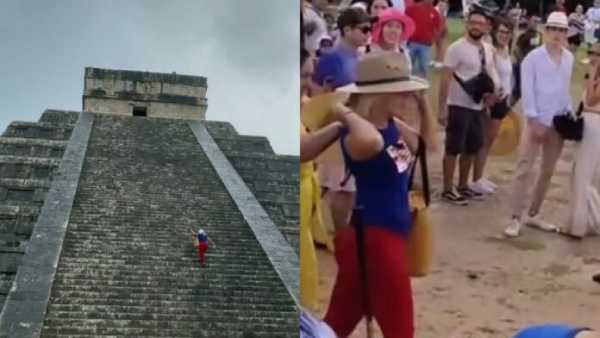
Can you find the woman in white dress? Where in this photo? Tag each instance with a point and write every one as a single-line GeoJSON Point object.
{"type": "Point", "coordinates": [584, 211]}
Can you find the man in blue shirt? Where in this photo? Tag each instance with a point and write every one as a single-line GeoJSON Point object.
{"type": "Point", "coordinates": [337, 67]}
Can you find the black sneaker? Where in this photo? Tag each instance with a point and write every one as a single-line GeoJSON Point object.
{"type": "Point", "coordinates": [470, 194]}
{"type": "Point", "coordinates": [454, 198]}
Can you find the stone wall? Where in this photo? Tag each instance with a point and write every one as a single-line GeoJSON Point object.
{"type": "Point", "coordinates": [172, 96]}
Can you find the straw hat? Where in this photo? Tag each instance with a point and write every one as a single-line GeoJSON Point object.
{"type": "Point", "coordinates": [316, 111]}
{"type": "Point", "coordinates": [557, 19]}
{"type": "Point", "coordinates": [385, 72]}
{"type": "Point", "coordinates": [389, 15]}
{"type": "Point", "coordinates": [509, 136]}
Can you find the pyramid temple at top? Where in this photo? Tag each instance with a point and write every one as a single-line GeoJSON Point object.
{"type": "Point", "coordinates": [97, 209]}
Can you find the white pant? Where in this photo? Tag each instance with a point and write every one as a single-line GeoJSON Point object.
{"type": "Point", "coordinates": [584, 211]}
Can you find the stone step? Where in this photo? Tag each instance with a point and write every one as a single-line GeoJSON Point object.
{"type": "Point", "coordinates": [149, 281]}
{"type": "Point", "coordinates": [39, 130]}
{"type": "Point", "coordinates": [60, 116]}
{"type": "Point", "coordinates": [199, 302]}
{"type": "Point", "coordinates": [31, 147]}
{"type": "Point", "coordinates": [244, 271]}
{"type": "Point", "coordinates": [88, 275]}
{"type": "Point", "coordinates": [201, 295]}
{"type": "Point", "coordinates": [33, 142]}
{"type": "Point", "coordinates": [251, 323]}
{"type": "Point", "coordinates": [15, 210]}
{"type": "Point", "coordinates": [173, 309]}
{"type": "Point", "coordinates": [27, 167]}
{"type": "Point", "coordinates": [173, 290]}
{"type": "Point", "coordinates": [206, 332]}
{"type": "Point", "coordinates": [157, 314]}
{"type": "Point", "coordinates": [20, 183]}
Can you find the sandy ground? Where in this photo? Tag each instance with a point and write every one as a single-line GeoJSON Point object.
{"type": "Point", "coordinates": [485, 286]}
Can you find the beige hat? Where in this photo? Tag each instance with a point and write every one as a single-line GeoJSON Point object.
{"type": "Point", "coordinates": [557, 19]}
{"type": "Point", "coordinates": [588, 334]}
{"type": "Point", "coordinates": [385, 72]}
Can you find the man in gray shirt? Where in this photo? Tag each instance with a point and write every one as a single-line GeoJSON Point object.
{"type": "Point", "coordinates": [545, 83]}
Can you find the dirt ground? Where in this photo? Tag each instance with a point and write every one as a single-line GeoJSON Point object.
{"type": "Point", "coordinates": [485, 286]}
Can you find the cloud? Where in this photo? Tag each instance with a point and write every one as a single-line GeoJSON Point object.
{"type": "Point", "coordinates": [247, 49]}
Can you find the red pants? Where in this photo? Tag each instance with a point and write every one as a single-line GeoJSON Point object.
{"type": "Point", "coordinates": [202, 247]}
{"type": "Point", "coordinates": [388, 282]}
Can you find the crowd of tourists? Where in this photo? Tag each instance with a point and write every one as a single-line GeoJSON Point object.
{"type": "Point", "coordinates": [361, 162]}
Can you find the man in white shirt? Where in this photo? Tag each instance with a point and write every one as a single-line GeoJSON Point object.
{"type": "Point", "coordinates": [315, 25]}
{"type": "Point", "coordinates": [545, 83]}
{"type": "Point", "coordinates": [464, 129]}
{"type": "Point", "coordinates": [592, 17]}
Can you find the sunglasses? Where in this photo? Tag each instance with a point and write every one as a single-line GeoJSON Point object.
{"type": "Point", "coordinates": [556, 29]}
{"type": "Point", "coordinates": [364, 29]}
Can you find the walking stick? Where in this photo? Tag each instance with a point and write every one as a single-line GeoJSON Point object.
{"type": "Point", "coordinates": [362, 258]}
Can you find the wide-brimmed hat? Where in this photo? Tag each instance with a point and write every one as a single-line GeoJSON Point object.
{"type": "Point", "coordinates": [385, 72]}
{"type": "Point", "coordinates": [509, 135]}
{"type": "Point", "coordinates": [389, 15]}
{"type": "Point", "coordinates": [557, 19]}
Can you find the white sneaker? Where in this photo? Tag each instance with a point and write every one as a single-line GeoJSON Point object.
{"type": "Point", "coordinates": [481, 188]}
{"type": "Point", "coordinates": [489, 183]}
{"type": "Point", "coordinates": [513, 229]}
{"type": "Point", "coordinates": [538, 223]}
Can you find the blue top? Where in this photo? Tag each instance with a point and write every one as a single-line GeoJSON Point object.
{"type": "Point", "coordinates": [338, 65]}
{"type": "Point", "coordinates": [550, 331]}
{"type": "Point", "coordinates": [382, 182]}
{"type": "Point", "coordinates": [202, 238]}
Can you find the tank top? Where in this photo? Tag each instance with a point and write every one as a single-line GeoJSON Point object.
{"type": "Point", "coordinates": [504, 68]}
{"type": "Point", "coordinates": [382, 182]}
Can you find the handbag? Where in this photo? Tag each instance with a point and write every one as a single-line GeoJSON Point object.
{"type": "Point", "coordinates": [570, 126]}
{"type": "Point", "coordinates": [420, 246]}
{"type": "Point", "coordinates": [479, 84]}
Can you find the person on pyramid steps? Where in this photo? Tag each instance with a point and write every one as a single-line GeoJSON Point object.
{"type": "Point", "coordinates": [201, 241]}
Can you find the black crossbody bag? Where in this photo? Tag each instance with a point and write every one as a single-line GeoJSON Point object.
{"type": "Point", "coordinates": [479, 84]}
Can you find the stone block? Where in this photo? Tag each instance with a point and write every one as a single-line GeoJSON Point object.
{"type": "Point", "coordinates": [9, 262]}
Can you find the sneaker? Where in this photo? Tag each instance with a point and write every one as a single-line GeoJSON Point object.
{"type": "Point", "coordinates": [488, 183]}
{"type": "Point", "coordinates": [538, 223]}
{"type": "Point", "coordinates": [470, 194]}
{"type": "Point", "coordinates": [454, 198]}
{"type": "Point", "coordinates": [513, 229]}
{"type": "Point", "coordinates": [481, 188]}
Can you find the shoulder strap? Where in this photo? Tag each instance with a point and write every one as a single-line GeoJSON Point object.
{"type": "Point", "coordinates": [421, 157]}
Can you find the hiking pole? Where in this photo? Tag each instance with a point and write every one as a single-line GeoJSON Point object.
{"type": "Point", "coordinates": [362, 261]}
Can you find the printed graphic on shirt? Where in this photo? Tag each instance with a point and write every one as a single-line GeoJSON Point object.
{"type": "Point", "coordinates": [401, 155]}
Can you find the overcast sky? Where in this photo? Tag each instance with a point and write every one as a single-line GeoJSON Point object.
{"type": "Point", "coordinates": [248, 49]}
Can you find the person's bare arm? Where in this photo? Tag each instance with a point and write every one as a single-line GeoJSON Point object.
{"type": "Point", "coordinates": [445, 79]}
{"type": "Point", "coordinates": [314, 143]}
{"type": "Point", "coordinates": [363, 140]}
{"type": "Point", "coordinates": [428, 125]}
{"type": "Point", "coordinates": [409, 135]}
{"type": "Point", "coordinates": [592, 94]}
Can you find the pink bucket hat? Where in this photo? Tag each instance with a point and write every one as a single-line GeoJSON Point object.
{"type": "Point", "coordinates": [393, 15]}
